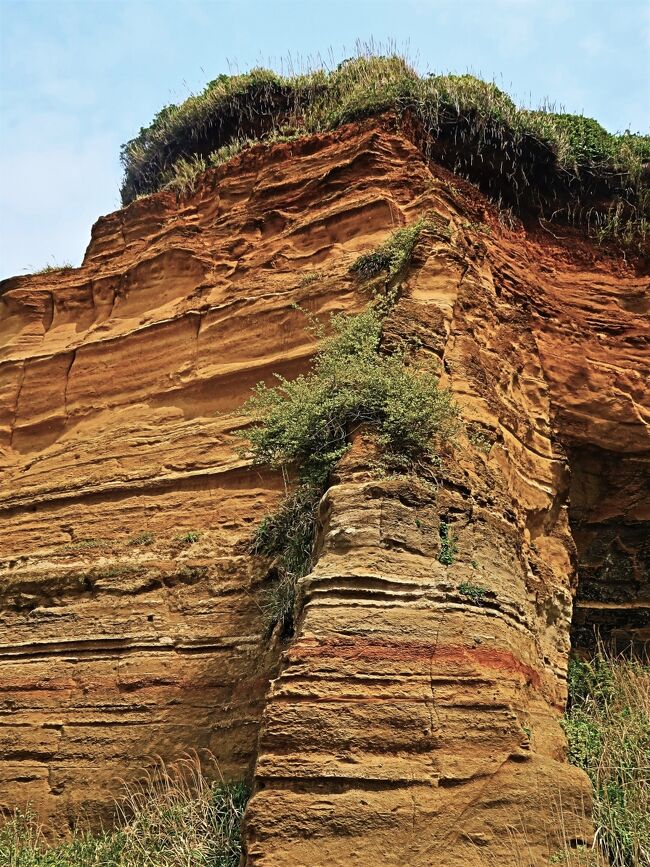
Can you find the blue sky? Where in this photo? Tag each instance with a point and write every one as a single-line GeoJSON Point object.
{"type": "Point", "coordinates": [79, 77]}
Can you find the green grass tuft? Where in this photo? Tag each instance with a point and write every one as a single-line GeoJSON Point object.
{"type": "Point", "coordinates": [188, 538]}
{"type": "Point", "coordinates": [143, 539]}
{"type": "Point", "coordinates": [448, 546]}
{"type": "Point", "coordinates": [191, 574]}
{"type": "Point", "coordinates": [608, 730]}
{"type": "Point", "coordinates": [474, 592]}
{"type": "Point", "coordinates": [47, 269]}
{"type": "Point", "coordinates": [310, 277]}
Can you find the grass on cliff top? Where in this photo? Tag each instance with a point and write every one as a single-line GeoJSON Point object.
{"type": "Point", "coordinates": [302, 427]}
{"type": "Point", "coordinates": [608, 731]}
{"type": "Point", "coordinates": [52, 266]}
{"type": "Point", "coordinates": [534, 161]}
{"type": "Point", "coordinates": [174, 817]}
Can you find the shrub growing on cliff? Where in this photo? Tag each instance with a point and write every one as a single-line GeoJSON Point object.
{"type": "Point", "coordinates": [302, 427]}
{"type": "Point", "coordinates": [188, 538]}
{"type": "Point", "coordinates": [448, 546]}
{"type": "Point", "coordinates": [608, 730]}
{"type": "Point", "coordinates": [287, 535]}
{"type": "Point", "coordinates": [473, 592]}
{"type": "Point", "coordinates": [305, 422]}
{"type": "Point", "coordinates": [174, 817]}
{"type": "Point", "coordinates": [393, 255]}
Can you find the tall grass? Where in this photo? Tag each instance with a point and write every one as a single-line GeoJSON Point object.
{"type": "Point", "coordinates": [537, 162]}
{"type": "Point", "coordinates": [174, 817]}
{"type": "Point", "coordinates": [608, 731]}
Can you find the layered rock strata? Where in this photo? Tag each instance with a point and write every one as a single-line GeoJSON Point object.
{"type": "Point", "coordinates": [414, 716]}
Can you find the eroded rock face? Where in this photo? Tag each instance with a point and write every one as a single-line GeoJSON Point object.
{"type": "Point", "coordinates": [412, 719]}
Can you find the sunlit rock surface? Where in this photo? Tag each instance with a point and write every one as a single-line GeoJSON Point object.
{"type": "Point", "coordinates": [407, 722]}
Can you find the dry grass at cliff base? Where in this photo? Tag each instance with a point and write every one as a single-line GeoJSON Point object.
{"type": "Point", "coordinates": [176, 816]}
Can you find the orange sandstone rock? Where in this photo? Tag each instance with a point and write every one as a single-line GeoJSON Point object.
{"type": "Point", "coordinates": [406, 723]}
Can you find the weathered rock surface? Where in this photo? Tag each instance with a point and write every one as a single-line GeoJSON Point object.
{"type": "Point", "coordinates": [408, 722]}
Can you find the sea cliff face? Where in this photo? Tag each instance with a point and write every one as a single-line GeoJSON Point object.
{"type": "Point", "coordinates": [410, 720]}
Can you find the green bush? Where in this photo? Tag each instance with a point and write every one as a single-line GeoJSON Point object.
{"type": "Point", "coordinates": [305, 423]}
{"type": "Point", "coordinates": [173, 817]}
{"type": "Point", "coordinates": [608, 732]}
{"type": "Point", "coordinates": [392, 256]}
{"type": "Point", "coordinates": [587, 140]}
{"type": "Point", "coordinates": [302, 427]}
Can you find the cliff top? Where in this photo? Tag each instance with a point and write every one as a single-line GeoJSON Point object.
{"type": "Point", "coordinates": [538, 163]}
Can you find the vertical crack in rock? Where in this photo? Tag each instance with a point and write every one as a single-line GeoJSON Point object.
{"type": "Point", "coordinates": [19, 390]}
{"type": "Point", "coordinates": [73, 356]}
{"type": "Point", "coordinates": [48, 316]}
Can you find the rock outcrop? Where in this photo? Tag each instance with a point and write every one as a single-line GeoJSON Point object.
{"type": "Point", "coordinates": [414, 717]}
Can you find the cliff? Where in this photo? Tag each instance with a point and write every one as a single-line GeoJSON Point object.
{"type": "Point", "coordinates": [407, 721]}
